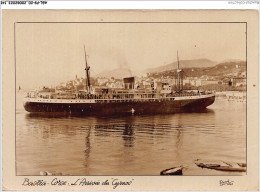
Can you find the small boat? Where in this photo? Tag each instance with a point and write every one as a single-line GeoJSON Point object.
{"type": "Point", "coordinates": [221, 165]}
{"type": "Point", "coordinates": [46, 173]}
{"type": "Point", "coordinates": [172, 171]}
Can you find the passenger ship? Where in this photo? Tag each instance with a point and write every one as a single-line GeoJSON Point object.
{"type": "Point", "coordinates": [120, 101]}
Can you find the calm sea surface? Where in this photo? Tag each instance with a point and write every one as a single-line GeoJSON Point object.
{"type": "Point", "coordinates": [130, 145]}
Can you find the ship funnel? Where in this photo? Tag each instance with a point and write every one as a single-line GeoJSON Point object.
{"type": "Point", "coordinates": [129, 82]}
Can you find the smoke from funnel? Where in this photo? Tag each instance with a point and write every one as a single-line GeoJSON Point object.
{"type": "Point", "coordinates": [123, 64]}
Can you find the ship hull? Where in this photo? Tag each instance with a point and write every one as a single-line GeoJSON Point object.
{"type": "Point", "coordinates": [116, 107]}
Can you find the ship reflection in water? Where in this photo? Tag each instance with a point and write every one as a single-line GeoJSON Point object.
{"type": "Point", "coordinates": [129, 145]}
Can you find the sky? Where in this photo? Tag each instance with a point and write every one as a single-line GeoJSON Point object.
{"type": "Point", "coordinates": [47, 54]}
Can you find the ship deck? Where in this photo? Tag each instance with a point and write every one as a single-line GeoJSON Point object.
{"type": "Point", "coordinates": [125, 100]}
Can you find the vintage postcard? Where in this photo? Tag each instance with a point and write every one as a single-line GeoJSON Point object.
{"type": "Point", "coordinates": [147, 100]}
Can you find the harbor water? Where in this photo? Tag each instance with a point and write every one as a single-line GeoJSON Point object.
{"type": "Point", "coordinates": [129, 145]}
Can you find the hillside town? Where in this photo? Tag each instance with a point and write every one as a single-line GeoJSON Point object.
{"type": "Point", "coordinates": [222, 77]}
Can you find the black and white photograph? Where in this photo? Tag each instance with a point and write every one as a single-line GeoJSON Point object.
{"type": "Point", "coordinates": [131, 98]}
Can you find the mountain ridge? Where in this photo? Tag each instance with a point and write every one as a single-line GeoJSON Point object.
{"type": "Point", "coordinates": [219, 71]}
{"type": "Point", "coordinates": [184, 64]}
{"type": "Point", "coordinates": [203, 62]}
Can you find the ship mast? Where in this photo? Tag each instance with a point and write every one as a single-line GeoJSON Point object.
{"type": "Point", "coordinates": [179, 83]}
{"type": "Point", "coordinates": [87, 72]}
{"type": "Point", "coordinates": [178, 61]}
